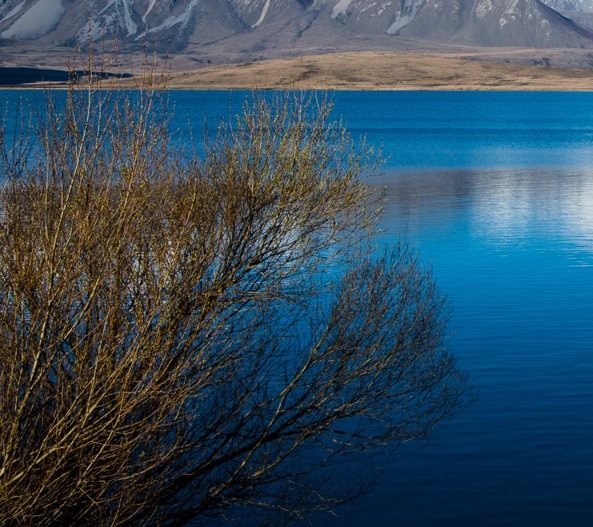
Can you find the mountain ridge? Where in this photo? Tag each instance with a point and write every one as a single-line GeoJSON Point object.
{"type": "Point", "coordinates": [220, 31]}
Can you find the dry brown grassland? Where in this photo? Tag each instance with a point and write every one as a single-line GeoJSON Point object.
{"type": "Point", "coordinates": [383, 70]}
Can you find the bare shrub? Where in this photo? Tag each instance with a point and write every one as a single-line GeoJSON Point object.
{"type": "Point", "coordinates": [183, 336]}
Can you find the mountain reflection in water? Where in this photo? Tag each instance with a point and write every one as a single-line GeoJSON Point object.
{"type": "Point", "coordinates": [501, 207]}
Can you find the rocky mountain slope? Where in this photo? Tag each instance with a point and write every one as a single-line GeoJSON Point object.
{"type": "Point", "coordinates": [228, 30]}
{"type": "Point", "coordinates": [570, 5]}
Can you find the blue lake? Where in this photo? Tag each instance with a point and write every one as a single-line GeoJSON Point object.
{"type": "Point", "coordinates": [496, 192]}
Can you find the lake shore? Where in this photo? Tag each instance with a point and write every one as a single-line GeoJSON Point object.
{"type": "Point", "coordinates": [384, 70]}
{"type": "Point", "coordinates": [486, 70]}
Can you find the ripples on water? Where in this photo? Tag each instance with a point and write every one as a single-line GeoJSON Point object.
{"type": "Point", "coordinates": [496, 192]}
{"type": "Point", "coordinates": [514, 252]}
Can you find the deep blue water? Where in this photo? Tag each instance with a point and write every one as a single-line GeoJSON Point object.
{"type": "Point", "coordinates": [441, 130]}
{"type": "Point", "coordinates": [496, 191]}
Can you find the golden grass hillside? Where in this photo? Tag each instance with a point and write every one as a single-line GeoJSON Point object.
{"type": "Point", "coordinates": [383, 70]}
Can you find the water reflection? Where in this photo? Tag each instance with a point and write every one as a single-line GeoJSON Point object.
{"type": "Point", "coordinates": [500, 207]}
{"type": "Point", "coordinates": [513, 250]}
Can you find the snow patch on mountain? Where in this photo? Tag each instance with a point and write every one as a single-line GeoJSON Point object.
{"type": "Point", "coordinates": [148, 10]}
{"type": "Point", "coordinates": [13, 12]}
{"type": "Point", "coordinates": [510, 14]}
{"type": "Point", "coordinates": [406, 15]}
{"type": "Point", "coordinates": [130, 24]}
{"type": "Point", "coordinates": [570, 5]}
{"type": "Point", "coordinates": [262, 17]}
{"type": "Point", "coordinates": [341, 8]}
{"type": "Point", "coordinates": [125, 14]}
{"type": "Point", "coordinates": [183, 20]}
{"type": "Point", "coordinates": [380, 9]}
{"type": "Point", "coordinates": [36, 21]}
{"type": "Point", "coordinates": [116, 15]}
{"type": "Point", "coordinates": [483, 8]}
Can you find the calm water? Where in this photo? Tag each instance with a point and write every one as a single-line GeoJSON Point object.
{"type": "Point", "coordinates": [496, 190]}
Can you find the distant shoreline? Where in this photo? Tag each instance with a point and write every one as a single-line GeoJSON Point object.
{"type": "Point", "coordinates": [23, 76]}
{"type": "Point", "coordinates": [369, 70]}
{"type": "Point", "coordinates": [29, 77]}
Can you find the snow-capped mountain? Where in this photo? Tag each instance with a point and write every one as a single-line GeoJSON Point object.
{"type": "Point", "coordinates": [570, 5]}
{"type": "Point", "coordinates": [519, 23]}
{"type": "Point", "coordinates": [234, 28]}
{"type": "Point", "coordinates": [578, 11]}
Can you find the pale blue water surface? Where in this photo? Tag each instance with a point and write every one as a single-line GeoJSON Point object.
{"type": "Point", "coordinates": [496, 191]}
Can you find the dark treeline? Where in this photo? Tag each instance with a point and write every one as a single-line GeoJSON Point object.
{"type": "Point", "coordinates": [17, 76]}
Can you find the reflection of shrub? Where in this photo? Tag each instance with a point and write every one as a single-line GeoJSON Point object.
{"type": "Point", "coordinates": [171, 343]}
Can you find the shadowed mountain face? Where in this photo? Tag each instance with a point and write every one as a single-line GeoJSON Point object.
{"type": "Point", "coordinates": [517, 23]}
{"type": "Point", "coordinates": [570, 5]}
{"type": "Point", "coordinates": [263, 28]}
